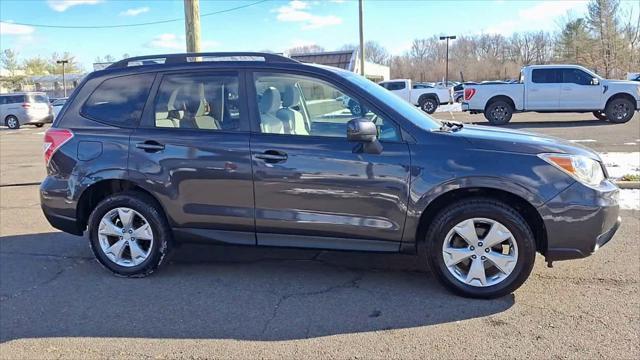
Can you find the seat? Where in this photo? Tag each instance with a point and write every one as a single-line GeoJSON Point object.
{"type": "Point", "coordinates": [269, 106]}
{"type": "Point", "coordinates": [293, 120]}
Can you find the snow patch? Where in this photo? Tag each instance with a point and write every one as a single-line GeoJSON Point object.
{"type": "Point", "coordinates": [630, 199]}
{"type": "Point", "coordinates": [449, 108]}
{"type": "Point", "coordinates": [583, 141]}
{"type": "Point", "coordinates": [619, 164]}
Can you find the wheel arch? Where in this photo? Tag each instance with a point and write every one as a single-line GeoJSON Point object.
{"type": "Point", "coordinates": [426, 96]}
{"type": "Point", "coordinates": [517, 201]}
{"type": "Point", "coordinates": [98, 191]}
{"type": "Point", "coordinates": [505, 98]}
{"type": "Point", "coordinates": [622, 95]}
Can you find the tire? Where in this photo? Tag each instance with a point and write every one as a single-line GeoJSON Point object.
{"type": "Point", "coordinates": [600, 115]}
{"type": "Point", "coordinates": [459, 99]}
{"type": "Point", "coordinates": [39, 125]}
{"type": "Point", "coordinates": [145, 209]}
{"type": "Point", "coordinates": [428, 105]}
{"type": "Point", "coordinates": [499, 112]}
{"type": "Point", "coordinates": [12, 122]}
{"type": "Point", "coordinates": [620, 110]}
{"type": "Point", "coordinates": [497, 283]}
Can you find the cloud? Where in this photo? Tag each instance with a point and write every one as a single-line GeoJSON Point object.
{"type": "Point", "coordinates": [135, 11]}
{"type": "Point", "coordinates": [8, 28]}
{"type": "Point", "coordinates": [298, 11]}
{"type": "Point", "coordinates": [170, 41]}
{"type": "Point", "coordinates": [63, 5]}
{"type": "Point", "coordinates": [541, 16]}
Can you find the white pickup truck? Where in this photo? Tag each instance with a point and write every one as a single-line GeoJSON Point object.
{"type": "Point", "coordinates": [427, 97]}
{"type": "Point", "coordinates": [555, 88]}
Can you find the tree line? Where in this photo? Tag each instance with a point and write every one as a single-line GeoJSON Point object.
{"type": "Point", "coordinates": [606, 40]}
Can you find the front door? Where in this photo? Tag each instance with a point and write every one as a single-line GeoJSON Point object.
{"type": "Point", "coordinates": [578, 92]}
{"type": "Point", "coordinates": [313, 188]}
{"type": "Point", "coordinates": [192, 151]}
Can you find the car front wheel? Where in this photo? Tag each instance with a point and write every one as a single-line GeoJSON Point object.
{"type": "Point", "coordinates": [129, 235]}
{"type": "Point", "coordinates": [480, 248]}
{"type": "Point", "coordinates": [620, 110]}
{"type": "Point", "coordinates": [12, 122]}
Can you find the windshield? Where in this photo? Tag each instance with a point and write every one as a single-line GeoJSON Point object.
{"type": "Point", "coordinates": [408, 111]}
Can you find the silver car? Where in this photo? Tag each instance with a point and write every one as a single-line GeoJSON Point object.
{"type": "Point", "coordinates": [19, 109]}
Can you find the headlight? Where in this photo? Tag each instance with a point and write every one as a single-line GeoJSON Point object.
{"type": "Point", "coordinates": [581, 168]}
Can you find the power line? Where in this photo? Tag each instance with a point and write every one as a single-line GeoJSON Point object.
{"type": "Point", "coordinates": [132, 25]}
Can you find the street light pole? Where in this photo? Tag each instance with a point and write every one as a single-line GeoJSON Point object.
{"type": "Point", "coordinates": [360, 16]}
{"type": "Point", "coordinates": [192, 25]}
{"type": "Point", "coordinates": [64, 82]}
{"type": "Point", "coordinates": [446, 76]}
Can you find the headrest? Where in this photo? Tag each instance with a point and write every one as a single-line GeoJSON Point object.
{"type": "Point", "coordinates": [290, 96]}
{"type": "Point", "coordinates": [270, 101]}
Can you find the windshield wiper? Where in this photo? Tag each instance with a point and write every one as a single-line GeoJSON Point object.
{"type": "Point", "coordinates": [448, 125]}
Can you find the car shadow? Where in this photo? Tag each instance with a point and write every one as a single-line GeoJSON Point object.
{"type": "Point", "coordinates": [52, 287]}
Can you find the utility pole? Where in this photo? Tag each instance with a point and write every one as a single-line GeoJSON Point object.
{"type": "Point", "coordinates": [192, 25]}
{"type": "Point", "coordinates": [361, 37]}
{"type": "Point", "coordinates": [446, 76]}
{"type": "Point", "coordinates": [64, 82]}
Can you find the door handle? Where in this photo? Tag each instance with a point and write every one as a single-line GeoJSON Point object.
{"type": "Point", "coordinates": [272, 156]}
{"type": "Point", "coordinates": [150, 146]}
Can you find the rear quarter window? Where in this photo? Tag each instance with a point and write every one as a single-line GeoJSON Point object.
{"type": "Point", "coordinates": [119, 101]}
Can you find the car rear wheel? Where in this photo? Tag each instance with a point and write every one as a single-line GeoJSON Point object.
{"type": "Point", "coordinates": [499, 112]}
{"type": "Point", "coordinates": [129, 235]}
{"type": "Point", "coordinates": [429, 105]}
{"type": "Point", "coordinates": [480, 248]}
{"type": "Point", "coordinates": [12, 122]}
{"type": "Point", "coordinates": [600, 115]}
{"type": "Point", "coordinates": [620, 110]}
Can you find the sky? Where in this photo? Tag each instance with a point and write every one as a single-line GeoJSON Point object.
{"type": "Point", "coordinates": [274, 25]}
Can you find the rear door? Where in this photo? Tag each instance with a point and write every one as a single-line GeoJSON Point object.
{"type": "Point", "coordinates": [192, 152]}
{"type": "Point", "coordinates": [313, 188]}
{"type": "Point", "coordinates": [578, 92]}
{"type": "Point", "coordinates": [543, 91]}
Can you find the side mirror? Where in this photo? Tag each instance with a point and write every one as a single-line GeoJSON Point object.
{"type": "Point", "coordinates": [361, 130]}
{"type": "Point", "coordinates": [595, 81]}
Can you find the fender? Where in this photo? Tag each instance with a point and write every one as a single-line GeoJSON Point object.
{"type": "Point", "coordinates": [417, 208]}
{"type": "Point", "coordinates": [428, 95]}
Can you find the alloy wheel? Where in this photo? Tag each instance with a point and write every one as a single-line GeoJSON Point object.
{"type": "Point", "coordinates": [428, 106]}
{"type": "Point", "coordinates": [125, 237]}
{"type": "Point", "coordinates": [12, 122]}
{"type": "Point", "coordinates": [480, 252]}
{"type": "Point", "coordinates": [621, 111]}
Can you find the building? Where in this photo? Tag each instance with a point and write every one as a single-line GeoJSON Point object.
{"type": "Point", "coordinates": [347, 60]}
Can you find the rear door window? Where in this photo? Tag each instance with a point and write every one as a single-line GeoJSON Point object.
{"type": "Point", "coordinates": [546, 76]}
{"type": "Point", "coordinates": [119, 101]}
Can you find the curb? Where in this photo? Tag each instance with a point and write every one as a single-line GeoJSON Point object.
{"type": "Point", "coordinates": [628, 184]}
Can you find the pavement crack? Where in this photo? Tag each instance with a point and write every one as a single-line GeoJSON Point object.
{"type": "Point", "coordinates": [50, 256]}
{"type": "Point", "coordinates": [353, 283]}
{"type": "Point", "coordinates": [44, 283]}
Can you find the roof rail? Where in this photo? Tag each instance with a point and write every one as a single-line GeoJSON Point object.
{"type": "Point", "coordinates": [201, 57]}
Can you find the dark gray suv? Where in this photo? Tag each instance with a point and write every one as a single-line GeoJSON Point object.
{"type": "Point", "coordinates": [259, 149]}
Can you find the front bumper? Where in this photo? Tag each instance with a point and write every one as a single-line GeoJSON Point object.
{"type": "Point", "coordinates": [580, 220]}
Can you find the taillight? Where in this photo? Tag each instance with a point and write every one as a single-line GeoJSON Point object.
{"type": "Point", "coordinates": [53, 140]}
{"type": "Point", "coordinates": [468, 93]}
{"type": "Point", "coordinates": [26, 105]}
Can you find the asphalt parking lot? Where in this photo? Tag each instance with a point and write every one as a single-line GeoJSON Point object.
{"type": "Point", "coordinates": [240, 302]}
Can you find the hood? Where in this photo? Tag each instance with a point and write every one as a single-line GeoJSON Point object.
{"type": "Point", "coordinates": [508, 140]}
{"type": "Point", "coordinates": [619, 82]}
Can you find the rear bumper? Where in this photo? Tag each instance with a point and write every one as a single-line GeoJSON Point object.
{"type": "Point", "coordinates": [57, 209]}
{"type": "Point", "coordinates": [465, 106]}
{"type": "Point", "coordinates": [39, 119]}
{"type": "Point", "coordinates": [580, 220]}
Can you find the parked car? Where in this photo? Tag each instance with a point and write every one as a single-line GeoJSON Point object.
{"type": "Point", "coordinates": [555, 88]}
{"type": "Point", "coordinates": [57, 105]}
{"type": "Point", "coordinates": [421, 95]}
{"type": "Point", "coordinates": [25, 108]}
{"type": "Point", "coordinates": [458, 90]}
{"type": "Point", "coordinates": [253, 149]}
